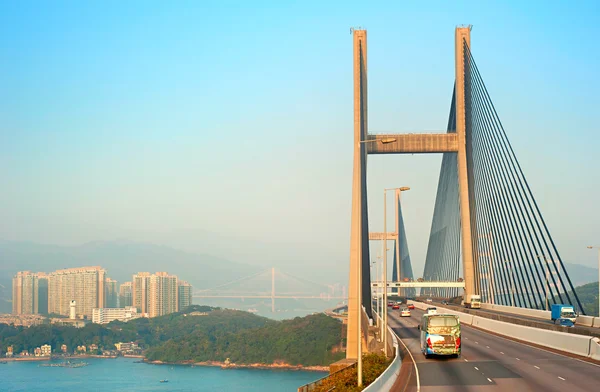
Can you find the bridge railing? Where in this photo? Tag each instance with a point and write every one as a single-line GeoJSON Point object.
{"type": "Point", "coordinates": [386, 380]}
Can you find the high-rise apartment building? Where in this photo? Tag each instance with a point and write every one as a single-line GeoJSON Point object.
{"type": "Point", "coordinates": [84, 285]}
{"type": "Point", "coordinates": [126, 294]}
{"type": "Point", "coordinates": [111, 295]}
{"type": "Point", "coordinates": [25, 293]}
{"type": "Point", "coordinates": [156, 294]}
{"type": "Point", "coordinates": [141, 286]}
{"type": "Point", "coordinates": [185, 294]}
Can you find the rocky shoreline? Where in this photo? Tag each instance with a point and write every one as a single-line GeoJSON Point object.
{"type": "Point", "coordinates": [224, 365]}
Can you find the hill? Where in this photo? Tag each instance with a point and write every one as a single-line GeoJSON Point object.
{"type": "Point", "coordinates": [179, 337]}
{"type": "Point", "coordinates": [588, 295]}
{"type": "Point", "coordinates": [307, 341]}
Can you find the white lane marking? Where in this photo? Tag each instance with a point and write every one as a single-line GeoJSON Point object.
{"type": "Point", "coordinates": [562, 378]}
{"type": "Point", "coordinates": [466, 338]}
{"type": "Point", "coordinates": [501, 353]}
{"type": "Point", "coordinates": [518, 359]}
{"type": "Point", "coordinates": [476, 342]}
{"type": "Point", "coordinates": [465, 359]}
{"type": "Point", "coordinates": [489, 379]}
{"type": "Point", "coordinates": [487, 346]}
{"type": "Point", "coordinates": [537, 367]}
{"type": "Point", "coordinates": [476, 368]}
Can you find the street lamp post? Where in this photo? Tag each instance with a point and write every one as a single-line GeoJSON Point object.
{"type": "Point", "coordinates": [385, 313]}
{"type": "Point", "coordinates": [359, 272]}
{"type": "Point", "coordinates": [597, 247]}
{"type": "Point", "coordinates": [547, 277]}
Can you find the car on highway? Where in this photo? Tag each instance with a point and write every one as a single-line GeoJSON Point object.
{"type": "Point", "coordinates": [390, 303]}
{"type": "Point", "coordinates": [405, 312]}
{"type": "Point", "coordinates": [564, 322]}
{"type": "Point", "coordinates": [429, 300]}
{"type": "Point", "coordinates": [440, 335]}
{"type": "Point", "coordinates": [411, 306]}
{"type": "Point", "coordinates": [431, 310]}
{"type": "Point", "coordinates": [444, 302]}
{"type": "Point", "coordinates": [395, 306]}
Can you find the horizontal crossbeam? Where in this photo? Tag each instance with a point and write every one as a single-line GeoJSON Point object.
{"type": "Point", "coordinates": [413, 143]}
{"type": "Point", "coordinates": [420, 284]}
{"type": "Point", "coordinates": [374, 236]}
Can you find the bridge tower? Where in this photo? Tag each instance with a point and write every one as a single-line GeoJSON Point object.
{"type": "Point", "coordinates": [456, 142]}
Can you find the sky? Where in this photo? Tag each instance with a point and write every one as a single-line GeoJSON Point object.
{"type": "Point", "coordinates": [145, 119]}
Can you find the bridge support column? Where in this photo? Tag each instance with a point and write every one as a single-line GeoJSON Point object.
{"type": "Point", "coordinates": [465, 177]}
{"type": "Point", "coordinates": [359, 234]}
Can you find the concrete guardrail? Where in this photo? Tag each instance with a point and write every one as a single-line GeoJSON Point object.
{"type": "Point", "coordinates": [586, 346]}
{"type": "Point", "coordinates": [386, 380]}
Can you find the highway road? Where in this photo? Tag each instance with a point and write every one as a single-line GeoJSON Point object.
{"type": "Point", "coordinates": [493, 363]}
{"type": "Point", "coordinates": [581, 329]}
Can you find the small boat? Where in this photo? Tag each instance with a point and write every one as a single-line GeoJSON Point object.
{"type": "Point", "coordinates": [165, 380]}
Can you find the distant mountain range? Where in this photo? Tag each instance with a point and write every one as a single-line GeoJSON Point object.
{"type": "Point", "coordinates": [121, 259]}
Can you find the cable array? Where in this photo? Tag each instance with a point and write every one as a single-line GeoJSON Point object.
{"type": "Point", "coordinates": [516, 260]}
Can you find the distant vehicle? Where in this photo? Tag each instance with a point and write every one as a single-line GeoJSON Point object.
{"type": "Point", "coordinates": [475, 302]}
{"type": "Point", "coordinates": [559, 311]}
{"type": "Point", "coordinates": [395, 306]}
{"type": "Point", "coordinates": [165, 380]}
{"type": "Point", "coordinates": [405, 312]}
{"type": "Point", "coordinates": [444, 302]}
{"type": "Point", "coordinates": [564, 322]}
{"type": "Point", "coordinates": [411, 306]}
{"type": "Point", "coordinates": [432, 310]}
{"type": "Point", "coordinates": [440, 335]}
{"type": "Point", "coordinates": [390, 303]}
{"type": "Point", "coordinates": [429, 300]}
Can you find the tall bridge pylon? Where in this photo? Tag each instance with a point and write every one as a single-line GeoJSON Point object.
{"type": "Point", "coordinates": [483, 201]}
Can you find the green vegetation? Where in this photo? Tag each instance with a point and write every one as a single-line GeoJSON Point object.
{"type": "Point", "coordinates": [242, 337]}
{"type": "Point", "coordinates": [588, 295]}
{"type": "Point", "coordinates": [306, 341]}
{"type": "Point", "coordinates": [345, 380]}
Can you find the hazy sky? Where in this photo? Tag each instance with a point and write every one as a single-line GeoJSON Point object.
{"type": "Point", "coordinates": [142, 119]}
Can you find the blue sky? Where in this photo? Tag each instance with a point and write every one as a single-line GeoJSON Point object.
{"type": "Point", "coordinates": [142, 119]}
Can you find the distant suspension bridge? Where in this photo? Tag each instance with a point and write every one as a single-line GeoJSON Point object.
{"type": "Point", "coordinates": [262, 285]}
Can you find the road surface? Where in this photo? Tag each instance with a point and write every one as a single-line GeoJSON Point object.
{"type": "Point", "coordinates": [492, 363]}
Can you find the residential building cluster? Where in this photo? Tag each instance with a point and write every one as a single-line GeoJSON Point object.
{"type": "Point", "coordinates": [45, 350]}
{"type": "Point", "coordinates": [88, 294]}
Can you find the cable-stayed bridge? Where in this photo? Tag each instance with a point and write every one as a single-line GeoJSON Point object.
{"type": "Point", "coordinates": [272, 284]}
{"type": "Point", "coordinates": [488, 236]}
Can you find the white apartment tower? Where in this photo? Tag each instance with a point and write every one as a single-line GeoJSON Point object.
{"type": "Point", "coordinates": [83, 285]}
{"type": "Point", "coordinates": [156, 294]}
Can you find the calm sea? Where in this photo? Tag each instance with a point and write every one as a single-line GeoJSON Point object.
{"type": "Point", "coordinates": [123, 374]}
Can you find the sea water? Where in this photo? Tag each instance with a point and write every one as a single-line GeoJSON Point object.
{"type": "Point", "coordinates": [125, 374]}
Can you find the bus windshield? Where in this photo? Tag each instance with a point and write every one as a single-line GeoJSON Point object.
{"type": "Point", "coordinates": [443, 325]}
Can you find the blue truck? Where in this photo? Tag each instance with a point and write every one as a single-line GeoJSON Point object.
{"type": "Point", "coordinates": [561, 311]}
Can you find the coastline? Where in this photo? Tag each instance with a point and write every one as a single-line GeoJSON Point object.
{"type": "Point", "coordinates": [24, 359]}
{"type": "Point", "coordinates": [223, 365]}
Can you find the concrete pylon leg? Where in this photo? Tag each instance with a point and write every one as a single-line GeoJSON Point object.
{"type": "Point", "coordinates": [356, 240]}
{"type": "Point", "coordinates": [462, 35]}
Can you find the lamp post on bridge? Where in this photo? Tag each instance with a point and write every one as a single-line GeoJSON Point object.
{"type": "Point", "coordinates": [359, 272]}
{"type": "Point", "coordinates": [401, 189]}
{"type": "Point", "coordinates": [597, 247]}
